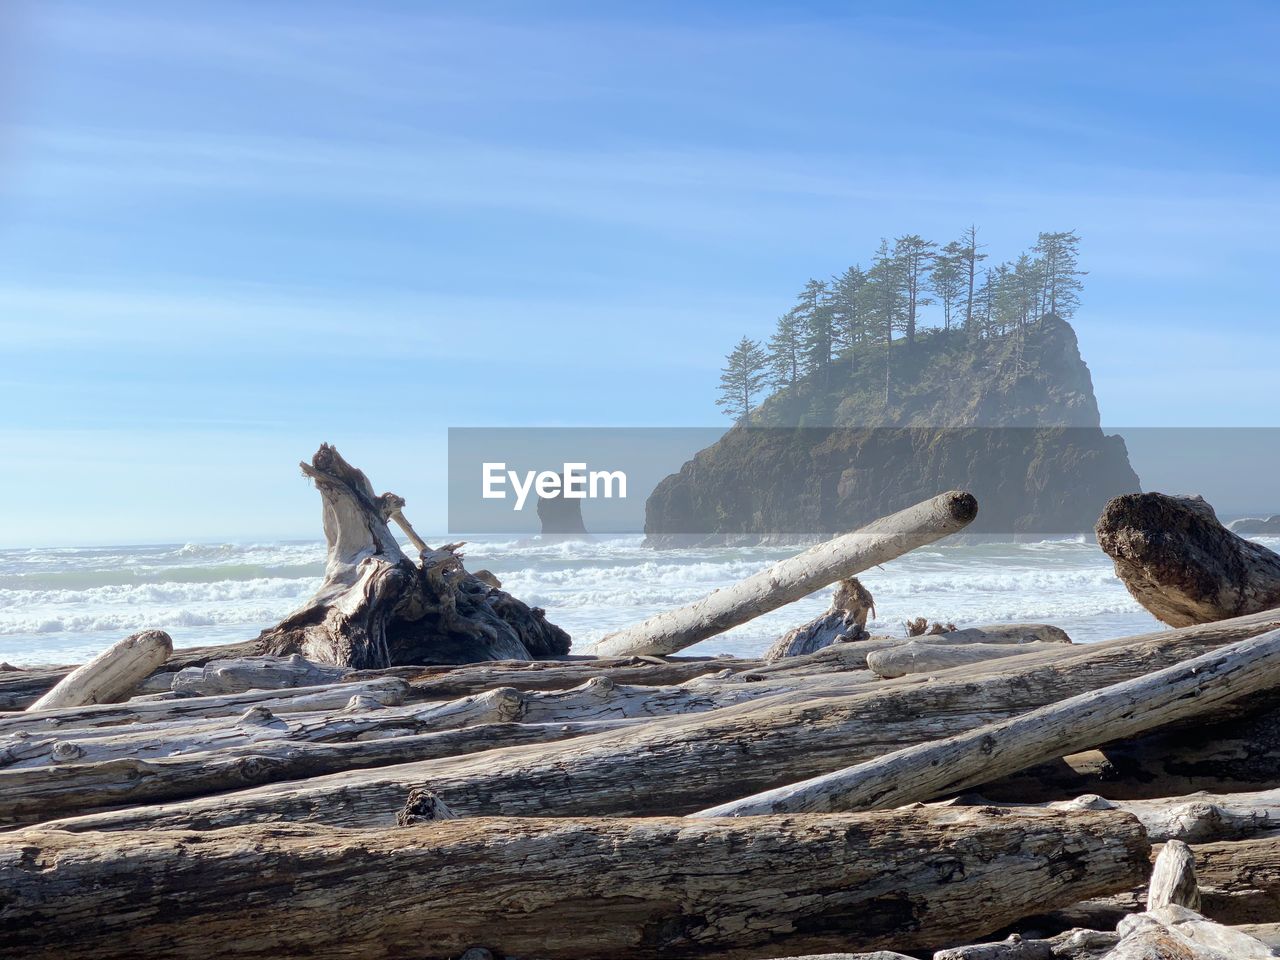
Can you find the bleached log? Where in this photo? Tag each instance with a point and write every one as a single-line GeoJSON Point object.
{"type": "Point", "coordinates": [378, 608]}
{"type": "Point", "coordinates": [1176, 933]}
{"type": "Point", "coordinates": [254, 673]}
{"type": "Point", "coordinates": [388, 690]}
{"type": "Point", "coordinates": [1173, 879]}
{"type": "Point", "coordinates": [1234, 754]}
{"type": "Point", "coordinates": [915, 657]}
{"type": "Point", "coordinates": [112, 675]}
{"type": "Point", "coordinates": [1240, 879]}
{"type": "Point", "coordinates": [362, 718]}
{"type": "Point", "coordinates": [683, 764]}
{"type": "Point", "coordinates": [796, 577]}
{"type": "Point", "coordinates": [617, 888]}
{"type": "Point", "coordinates": [1069, 945]}
{"type": "Point", "coordinates": [1196, 688]}
{"type": "Point", "coordinates": [30, 795]}
{"type": "Point", "coordinates": [444, 683]}
{"type": "Point", "coordinates": [1183, 565]}
{"type": "Point", "coordinates": [1000, 633]}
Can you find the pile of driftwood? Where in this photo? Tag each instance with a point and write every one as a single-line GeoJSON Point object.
{"type": "Point", "coordinates": [323, 792]}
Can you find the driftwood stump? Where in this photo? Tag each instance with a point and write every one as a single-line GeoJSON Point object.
{"type": "Point", "coordinates": [1183, 565]}
{"type": "Point", "coordinates": [378, 608]}
{"type": "Point", "coordinates": [845, 621]}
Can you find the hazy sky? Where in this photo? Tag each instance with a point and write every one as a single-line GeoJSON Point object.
{"type": "Point", "coordinates": [232, 230]}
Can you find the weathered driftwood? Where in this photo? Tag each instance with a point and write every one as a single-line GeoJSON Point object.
{"type": "Point", "coordinates": [444, 683]}
{"type": "Point", "coordinates": [1195, 688]}
{"type": "Point", "coordinates": [1173, 879]}
{"type": "Point", "coordinates": [796, 577]}
{"type": "Point", "coordinates": [1240, 879]}
{"type": "Point", "coordinates": [844, 621]}
{"type": "Point", "coordinates": [254, 673]}
{"type": "Point", "coordinates": [377, 607]}
{"type": "Point", "coordinates": [903, 659]}
{"type": "Point", "coordinates": [34, 794]}
{"type": "Point", "coordinates": [1176, 933]}
{"type": "Point", "coordinates": [563, 888]}
{"type": "Point", "coordinates": [1069, 945]}
{"type": "Point", "coordinates": [112, 675]}
{"type": "Point", "coordinates": [1183, 565]}
{"type": "Point", "coordinates": [363, 718]}
{"type": "Point", "coordinates": [1230, 755]}
{"type": "Point", "coordinates": [683, 764]}
{"type": "Point", "coordinates": [21, 688]}
{"type": "Point", "coordinates": [387, 690]}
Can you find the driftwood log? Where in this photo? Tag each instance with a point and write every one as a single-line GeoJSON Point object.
{"type": "Point", "coordinates": [1183, 565]}
{"type": "Point", "coordinates": [377, 607]}
{"type": "Point", "coordinates": [1228, 755]}
{"type": "Point", "coordinates": [903, 659]}
{"type": "Point", "coordinates": [796, 577]}
{"type": "Point", "coordinates": [612, 888]}
{"type": "Point", "coordinates": [1196, 688]}
{"type": "Point", "coordinates": [112, 675]}
{"type": "Point", "coordinates": [1177, 933]}
{"type": "Point", "coordinates": [678, 765]}
{"type": "Point", "coordinates": [844, 621]}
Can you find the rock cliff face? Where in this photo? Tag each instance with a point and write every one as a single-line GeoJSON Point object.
{"type": "Point", "coordinates": [1014, 421]}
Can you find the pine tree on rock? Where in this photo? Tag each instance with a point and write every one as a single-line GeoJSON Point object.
{"type": "Point", "coordinates": [744, 374]}
{"type": "Point", "coordinates": [1059, 261]}
{"type": "Point", "coordinates": [915, 255]}
{"type": "Point", "coordinates": [948, 278]}
{"type": "Point", "coordinates": [784, 350]}
{"type": "Point", "coordinates": [970, 258]}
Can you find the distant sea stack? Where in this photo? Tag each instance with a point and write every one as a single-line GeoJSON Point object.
{"type": "Point", "coordinates": [561, 516]}
{"type": "Point", "coordinates": [1014, 420]}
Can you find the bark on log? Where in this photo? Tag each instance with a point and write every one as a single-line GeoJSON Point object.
{"type": "Point", "coordinates": [35, 794]}
{"type": "Point", "coordinates": [377, 608]}
{"type": "Point", "coordinates": [625, 889]}
{"type": "Point", "coordinates": [796, 577]}
{"type": "Point", "coordinates": [1183, 565]}
{"type": "Point", "coordinates": [682, 764]}
{"type": "Point", "coordinates": [1196, 688]}
{"type": "Point", "coordinates": [916, 657]}
{"type": "Point", "coordinates": [388, 690]}
{"type": "Point", "coordinates": [845, 621]}
{"type": "Point", "coordinates": [112, 675]}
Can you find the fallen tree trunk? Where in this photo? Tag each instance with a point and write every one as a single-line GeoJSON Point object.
{"type": "Point", "coordinates": [388, 690]}
{"type": "Point", "coordinates": [112, 675]}
{"type": "Point", "coordinates": [625, 889]}
{"type": "Point", "coordinates": [915, 657]}
{"type": "Point", "coordinates": [377, 608]}
{"type": "Point", "coordinates": [254, 673]}
{"type": "Point", "coordinates": [21, 688]}
{"type": "Point", "coordinates": [31, 795]}
{"type": "Point", "coordinates": [683, 764]}
{"type": "Point", "coordinates": [1240, 879]}
{"type": "Point", "coordinates": [1225, 756]}
{"type": "Point", "coordinates": [1195, 688]}
{"type": "Point", "coordinates": [796, 577]}
{"type": "Point", "coordinates": [1183, 565]}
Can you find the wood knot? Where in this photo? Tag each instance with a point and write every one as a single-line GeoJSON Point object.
{"type": "Point", "coordinates": [65, 751]}
{"type": "Point", "coordinates": [423, 806]}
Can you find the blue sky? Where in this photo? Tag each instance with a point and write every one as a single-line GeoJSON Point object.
{"type": "Point", "coordinates": [231, 230]}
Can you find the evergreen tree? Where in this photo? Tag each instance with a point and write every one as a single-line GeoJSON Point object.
{"type": "Point", "coordinates": [970, 258]}
{"type": "Point", "coordinates": [816, 328]}
{"type": "Point", "coordinates": [743, 375]}
{"type": "Point", "coordinates": [848, 323]}
{"type": "Point", "coordinates": [948, 279]}
{"type": "Point", "coordinates": [883, 306]}
{"type": "Point", "coordinates": [914, 255]}
{"type": "Point", "coordinates": [784, 350]}
{"type": "Point", "coordinates": [1058, 258]}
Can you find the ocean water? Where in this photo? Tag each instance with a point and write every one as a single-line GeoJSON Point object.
{"type": "Point", "coordinates": [63, 605]}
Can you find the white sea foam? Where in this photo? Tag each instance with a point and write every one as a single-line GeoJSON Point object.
{"type": "Point", "coordinates": [59, 606]}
